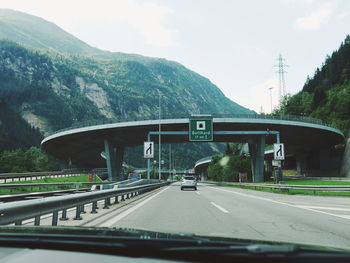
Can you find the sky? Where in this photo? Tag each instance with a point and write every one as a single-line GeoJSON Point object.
{"type": "Point", "coordinates": [233, 43]}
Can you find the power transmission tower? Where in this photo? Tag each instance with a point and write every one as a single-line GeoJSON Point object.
{"type": "Point", "coordinates": [281, 80]}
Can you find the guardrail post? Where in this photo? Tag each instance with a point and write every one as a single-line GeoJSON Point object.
{"type": "Point", "coordinates": [77, 213]}
{"type": "Point", "coordinates": [18, 223]}
{"type": "Point", "coordinates": [37, 221]}
{"type": "Point", "coordinates": [106, 204]}
{"type": "Point", "coordinates": [64, 215]}
{"type": "Point", "coordinates": [54, 218]}
{"type": "Point", "coordinates": [94, 207]}
{"type": "Point", "coordinates": [122, 198]}
{"type": "Point", "coordinates": [116, 201]}
{"type": "Point", "coordinates": [82, 209]}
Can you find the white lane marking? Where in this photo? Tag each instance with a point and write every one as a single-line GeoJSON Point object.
{"type": "Point", "coordinates": [345, 216]}
{"type": "Point", "coordinates": [219, 207]}
{"type": "Point", "coordinates": [324, 208]}
{"type": "Point", "coordinates": [281, 203]}
{"type": "Point", "coordinates": [198, 193]}
{"type": "Point", "coordinates": [114, 220]}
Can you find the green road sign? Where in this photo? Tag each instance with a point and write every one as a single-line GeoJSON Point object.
{"type": "Point", "coordinates": [201, 128]}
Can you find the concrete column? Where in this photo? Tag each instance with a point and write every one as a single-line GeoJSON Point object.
{"type": "Point", "coordinates": [119, 163]}
{"type": "Point", "coordinates": [252, 153]}
{"type": "Point", "coordinates": [301, 163]}
{"type": "Point", "coordinates": [257, 154]}
{"type": "Point", "coordinates": [110, 160]}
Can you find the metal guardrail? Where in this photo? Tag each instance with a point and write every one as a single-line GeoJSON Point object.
{"type": "Point", "coordinates": [186, 115]}
{"type": "Point", "coordinates": [337, 188]}
{"type": "Point", "coordinates": [134, 182]}
{"type": "Point", "coordinates": [76, 184]}
{"type": "Point", "coordinates": [35, 195]}
{"type": "Point", "coordinates": [17, 212]}
{"type": "Point", "coordinates": [19, 176]}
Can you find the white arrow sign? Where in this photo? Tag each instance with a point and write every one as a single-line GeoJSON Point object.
{"type": "Point", "coordinates": [148, 149]}
{"type": "Point", "coordinates": [278, 151]}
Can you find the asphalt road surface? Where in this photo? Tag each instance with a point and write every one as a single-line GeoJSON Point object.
{"type": "Point", "coordinates": [232, 212]}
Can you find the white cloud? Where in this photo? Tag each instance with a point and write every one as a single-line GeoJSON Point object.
{"type": "Point", "coordinates": [315, 19]}
{"type": "Point", "coordinates": [146, 18]}
{"type": "Point", "coordinates": [258, 96]}
{"type": "Point", "coordinates": [343, 15]}
{"type": "Point", "coordinates": [307, 2]}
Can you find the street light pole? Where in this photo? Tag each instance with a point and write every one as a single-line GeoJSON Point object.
{"type": "Point", "coordinates": [160, 147]}
{"type": "Point", "coordinates": [170, 162]}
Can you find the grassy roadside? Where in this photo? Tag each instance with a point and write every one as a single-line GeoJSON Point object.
{"type": "Point", "coordinates": [71, 179]}
{"type": "Point", "coordinates": [299, 182]}
{"type": "Point", "coordinates": [311, 182]}
{"type": "Point", "coordinates": [293, 192]}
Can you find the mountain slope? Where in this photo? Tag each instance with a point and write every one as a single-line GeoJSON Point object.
{"type": "Point", "coordinates": [35, 32]}
{"type": "Point", "coordinates": [14, 131]}
{"type": "Point", "coordinates": [38, 33]}
{"type": "Point", "coordinates": [54, 80]}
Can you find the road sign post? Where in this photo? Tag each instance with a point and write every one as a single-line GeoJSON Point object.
{"type": "Point", "coordinates": [278, 149]}
{"type": "Point", "coordinates": [148, 149]}
{"type": "Point", "coordinates": [201, 128]}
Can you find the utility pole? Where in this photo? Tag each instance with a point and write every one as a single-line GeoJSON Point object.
{"type": "Point", "coordinates": [281, 80]}
{"type": "Point", "coordinates": [271, 97]}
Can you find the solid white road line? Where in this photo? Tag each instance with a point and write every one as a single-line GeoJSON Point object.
{"type": "Point", "coordinates": [281, 203]}
{"type": "Point", "coordinates": [219, 207]}
{"type": "Point", "coordinates": [325, 208]}
{"type": "Point", "coordinates": [114, 220]}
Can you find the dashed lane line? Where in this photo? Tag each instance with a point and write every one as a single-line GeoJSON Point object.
{"type": "Point", "coordinates": [219, 207]}
{"type": "Point", "coordinates": [278, 202]}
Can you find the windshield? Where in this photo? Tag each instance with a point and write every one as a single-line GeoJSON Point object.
{"type": "Point", "coordinates": [213, 118]}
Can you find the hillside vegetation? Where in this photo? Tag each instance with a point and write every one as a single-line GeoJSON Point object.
{"type": "Point", "coordinates": [326, 95]}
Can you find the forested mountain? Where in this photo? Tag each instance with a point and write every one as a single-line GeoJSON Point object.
{"type": "Point", "coordinates": [54, 81]}
{"type": "Point", "coordinates": [14, 131]}
{"type": "Point", "coordinates": [326, 95]}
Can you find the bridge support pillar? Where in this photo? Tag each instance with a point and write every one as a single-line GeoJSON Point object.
{"type": "Point", "coordinates": [110, 160]}
{"type": "Point", "coordinates": [301, 163]}
{"type": "Point", "coordinates": [119, 163]}
{"type": "Point", "coordinates": [114, 160]}
{"type": "Point", "coordinates": [256, 150]}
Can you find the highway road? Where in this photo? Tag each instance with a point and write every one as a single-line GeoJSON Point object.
{"type": "Point", "coordinates": [232, 212]}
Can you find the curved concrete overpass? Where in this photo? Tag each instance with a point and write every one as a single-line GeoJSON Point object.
{"type": "Point", "coordinates": [83, 146]}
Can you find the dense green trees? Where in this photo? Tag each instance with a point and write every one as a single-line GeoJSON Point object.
{"type": "Point", "coordinates": [14, 131]}
{"type": "Point", "coordinates": [228, 166]}
{"type": "Point", "coordinates": [31, 160]}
